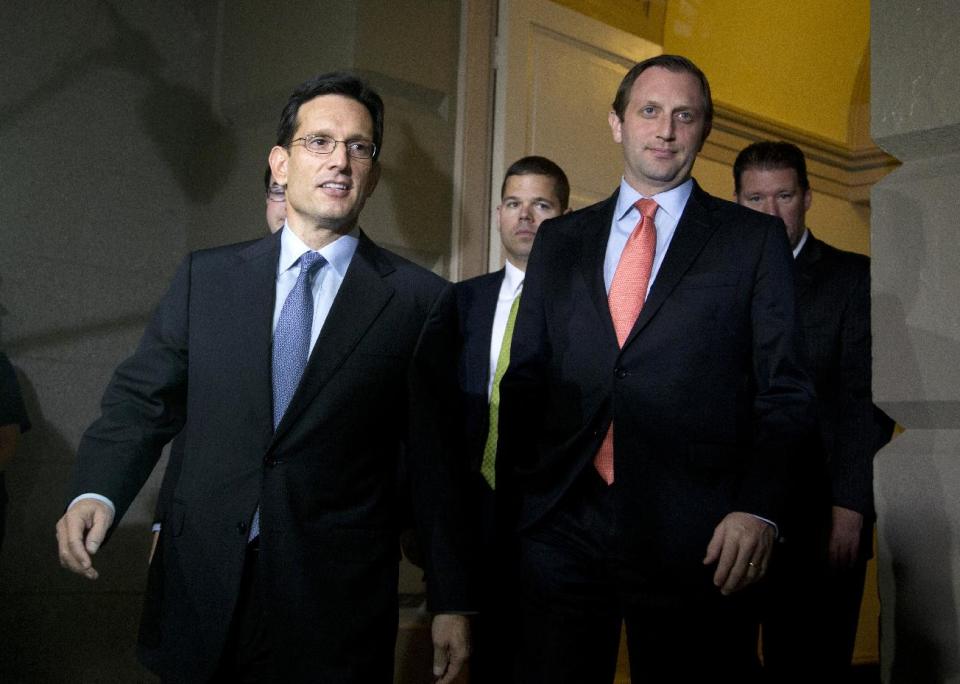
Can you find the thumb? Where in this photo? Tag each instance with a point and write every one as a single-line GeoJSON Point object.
{"type": "Point", "coordinates": [98, 530]}
{"type": "Point", "coordinates": [441, 659]}
{"type": "Point", "coordinates": [714, 547]}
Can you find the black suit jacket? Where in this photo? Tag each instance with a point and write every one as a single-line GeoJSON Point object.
{"type": "Point", "coordinates": [476, 305]}
{"type": "Point", "coordinates": [707, 395]}
{"type": "Point", "coordinates": [379, 384]}
{"type": "Point", "coordinates": [833, 302]}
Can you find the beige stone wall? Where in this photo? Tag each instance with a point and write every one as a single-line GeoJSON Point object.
{"type": "Point", "coordinates": [916, 341]}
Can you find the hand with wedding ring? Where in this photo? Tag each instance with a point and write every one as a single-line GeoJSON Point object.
{"type": "Point", "coordinates": [740, 547]}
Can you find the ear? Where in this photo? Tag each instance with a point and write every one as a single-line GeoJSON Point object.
{"type": "Point", "coordinates": [807, 199]}
{"type": "Point", "coordinates": [616, 126]}
{"type": "Point", "coordinates": [278, 158]}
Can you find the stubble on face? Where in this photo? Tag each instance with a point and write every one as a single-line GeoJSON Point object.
{"type": "Point", "coordinates": [776, 192]}
{"type": "Point", "coordinates": [662, 129]}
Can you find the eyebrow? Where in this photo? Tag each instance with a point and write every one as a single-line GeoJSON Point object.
{"type": "Point", "coordinates": [535, 199]}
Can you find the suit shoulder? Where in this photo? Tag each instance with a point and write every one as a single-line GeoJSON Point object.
{"type": "Point", "coordinates": [479, 282]}
{"type": "Point", "coordinates": [220, 253]}
{"type": "Point", "coordinates": [413, 275]}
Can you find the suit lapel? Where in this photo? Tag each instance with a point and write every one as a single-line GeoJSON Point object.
{"type": "Point", "coordinates": [595, 231]}
{"type": "Point", "coordinates": [805, 265]}
{"type": "Point", "coordinates": [486, 308]}
{"type": "Point", "coordinates": [362, 296]}
{"type": "Point", "coordinates": [254, 291]}
{"type": "Point", "coordinates": [693, 231]}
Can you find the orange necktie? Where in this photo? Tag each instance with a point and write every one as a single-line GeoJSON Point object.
{"type": "Point", "coordinates": [627, 294]}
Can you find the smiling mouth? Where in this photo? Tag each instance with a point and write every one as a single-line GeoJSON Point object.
{"type": "Point", "coordinates": [332, 185]}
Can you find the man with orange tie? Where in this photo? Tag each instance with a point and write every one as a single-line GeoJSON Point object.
{"type": "Point", "coordinates": [650, 409]}
{"type": "Point", "coordinates": [534, 189]}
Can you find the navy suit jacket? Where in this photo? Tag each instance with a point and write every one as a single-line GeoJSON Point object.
{"type": "Point", "coordinates": [379, 386]}
{"type": "Point", "coordinates": [707, 395]}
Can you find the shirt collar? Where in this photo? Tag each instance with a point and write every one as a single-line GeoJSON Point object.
{"type": "Point", "coordinates": [338, 253]}
{"type": "Point", "coordinates": [803, 241]}
{"type": "Point", "coordinates": [671, 201]}
{"type": "Point", "coordinates": [513, 278]}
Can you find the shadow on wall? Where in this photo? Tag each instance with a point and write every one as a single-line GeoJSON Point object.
{"type": "Point", "coordinates": [421, 202]}
{"type": "Point", "coordinates": [917, 545]}
{"type": "Point", "coordinates": [198, 148]}
{"type": "Point", "coordinates": [924, 599]}
{"type": "Point", "coordinates": [45, 614]}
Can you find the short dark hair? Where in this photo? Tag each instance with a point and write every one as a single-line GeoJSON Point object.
{"type": "Point", "coordinates": [333, 83]}
{"type": "Point", "coordinates": [674, 63]}
{"type": "Point", "coordinates": [768, 154]}
{"type": "Point", "coordinates": [542, 167]}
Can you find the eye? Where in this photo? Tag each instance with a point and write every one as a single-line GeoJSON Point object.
{"type": "Point", "coordinates": [648, 112]}
{"type": "Point", "coordinates": [785, 196]}
{"type": "Point", "coordinates": [319, 143]}
{"type": "Point", "coordinates": [360, 149]}
{"type": "Point", "coordinates": [684, 117]}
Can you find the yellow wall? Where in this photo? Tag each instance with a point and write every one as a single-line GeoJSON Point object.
{"type": "Point", "coordinates": [793, 62]}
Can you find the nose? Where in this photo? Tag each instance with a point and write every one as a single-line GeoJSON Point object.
{"type": "Point", "coordinates": [339, 158]}
{"type": "Point", "coordinates": [666, 131]}
{"type": "Point", "coordinates": [770, 207]}
{"type": "Point", "coordinates": [526, 212]}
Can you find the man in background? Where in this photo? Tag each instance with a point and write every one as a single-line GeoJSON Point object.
{"type": "Point", "coordinates": [817, 576]}
{"type": "Point", "coordinates": [533, 190]}
{"type": "Point", "coordinates": [276, 200]}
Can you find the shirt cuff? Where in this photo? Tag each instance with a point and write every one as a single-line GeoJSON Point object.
{"type": "Point", "coordinates": [776, 530]}
{"type": "Point", "coordinates": [103, 499]}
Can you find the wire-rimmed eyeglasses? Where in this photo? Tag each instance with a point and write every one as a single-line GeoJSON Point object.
{"type": "Point", "coordinates": [323, 145]}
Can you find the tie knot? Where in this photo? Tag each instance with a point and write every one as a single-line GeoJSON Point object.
{"type": "Point", "coordinates": [647, 207]}
{"type": "Point", "coordinates": [311, 262]}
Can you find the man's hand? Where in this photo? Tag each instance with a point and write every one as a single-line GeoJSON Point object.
{"type": "Point", "coordinates": [742, 544]}
{"type": "Point", "coordinates": [844, 537]}
{"type": "Point", "coordinates": [451, 646]}
{"type": "Point", "coordinates": [79, 534]}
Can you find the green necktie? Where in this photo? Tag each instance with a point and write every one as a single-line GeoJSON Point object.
{"type": "Point", "coordinates": [488, 465]}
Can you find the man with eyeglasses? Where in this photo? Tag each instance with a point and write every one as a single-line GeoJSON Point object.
{"type": "Point", "coordinates": [302, 366]}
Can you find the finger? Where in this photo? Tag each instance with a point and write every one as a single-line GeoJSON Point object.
{"type": "Point", "coordinates": [729, 571]}
{"type": "Point", "coordinates": [73, 554]}
{"type": "Point", "coordinates": [714, 547]}
{"type": "Point", "coordinates": [440, 661]}
{"type": "Point", "coordinates": [97, 531]}
{"type": "Point", "coordinates": [458, 657]}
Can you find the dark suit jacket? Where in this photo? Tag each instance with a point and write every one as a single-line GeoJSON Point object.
{"type": "Point", "coordinates": [476, 305]}
{"type": "Point", "coordinates": [707, 394]}
{"type": "Point", "coordinates": [833, 302]}
{"type": "Point", "coordinates": [380, 383]}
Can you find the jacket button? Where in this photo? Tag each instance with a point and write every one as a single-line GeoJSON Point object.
{"type": "Point", "coordinates": [620, 373]}
{"type": "Point", "coordinates": [242, 527]}
{"type": "Point", "coordinates": [272, 462]}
